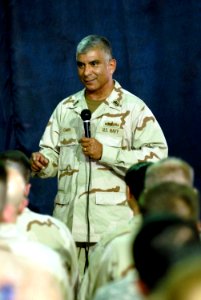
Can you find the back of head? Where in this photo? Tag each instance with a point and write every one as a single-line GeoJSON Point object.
{"type": "Point", "coordinates": [24, 281]}
{"type": "Point", "coordinates": [159, 237]}
{"type": "Point", "coordinates": [135, 177]}
{"type": "Point", "coordinates": [93, 42]}
{"type": "Point", "coordinates": [169, 169]}
{"type": "Point", "coordinates": [171, 197]}
{"type": "Point", "coordinates": [3, 187]}
{"type": "Point", "coordinates": [183, 280]}
{"type": "Point", "coordinates": [18, 160]}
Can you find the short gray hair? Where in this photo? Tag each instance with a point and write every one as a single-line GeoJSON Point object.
{"type": "Point", "coordinates": [94, 41]}
{"type": "Point", "coordinates": [169, 169]}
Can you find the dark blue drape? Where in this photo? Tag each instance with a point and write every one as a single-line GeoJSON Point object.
{"type": "Point", "coordinates": [157, 47]}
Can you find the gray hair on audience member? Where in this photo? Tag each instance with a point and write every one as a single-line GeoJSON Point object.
{"type": "Point", "coordinates": [169, 169]}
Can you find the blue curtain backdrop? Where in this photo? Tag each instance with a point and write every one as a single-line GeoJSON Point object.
{"type": "Point", "coordinates": [157, 44]}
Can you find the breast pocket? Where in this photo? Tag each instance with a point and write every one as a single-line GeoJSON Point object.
{"type": "Point", "coordinates": [113, 140]}
{"type": "Point", "coordinates": [109, 132]}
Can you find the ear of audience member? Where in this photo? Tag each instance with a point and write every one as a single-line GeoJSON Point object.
{"type": "Point", "coordinates": [154, 246]}
{"type": "Point", "coordinates": [134, 179]}
{"type": "Point", "coordinates": [3, 187]}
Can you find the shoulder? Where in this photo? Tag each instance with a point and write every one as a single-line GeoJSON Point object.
{"type": "Point", "coordinates": [126, 98]}
{"type": "Point", "coordinates": [123, 288]}
{"type": "Point", "coordinates": [31, 219]}
{"type": "Point", "coordinates": [72, 99]}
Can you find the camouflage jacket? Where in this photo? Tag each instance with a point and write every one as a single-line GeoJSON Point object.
{"type": "Point", "coordinates": [129, 133]}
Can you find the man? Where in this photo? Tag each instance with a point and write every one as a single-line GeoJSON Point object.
{"type": "Point", "coordinates": [170, 169]}
{"type": "Point", "coordinates": [19, 277]}
{"type": "Point", "coordinates": [91, 188]}
{"type": "Point", "coordinates": [155, 247]}
{"type": "Point", "coordinates": [170, 181]}
{"type": "Point", "coordinates": [17, 243]}
{"type": "Point", "coordinates": [171, 197]}
{"type": "Point", "coordinates": [183, 279]}
{"type": "Point", "coordinates": [22, 279]}
{"type": "Point", "coordinates": [42, 228]}
{"type": "Point", "coordinates": [134, 180]}
{"type": "Point", "coordinates": [116, 261]}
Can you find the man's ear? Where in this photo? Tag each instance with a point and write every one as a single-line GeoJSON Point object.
{"type": "Point", "coordinates": [128, 193]}
{"type": "Point", "coordinates": [112, 65]}
{"type": "Point", "coordinates": [143, 287]}
{"type": "Point", "coordinates": [27, 189]}
{"type": "Point", "coordinates": [24, 203]}
{"type": "Point", "coordinates": [8, 215]}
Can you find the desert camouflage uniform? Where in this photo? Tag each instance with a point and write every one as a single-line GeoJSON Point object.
{"type": "Point", "coordinates": [124, 289]}
{"type": "Point", "coordinates": [129, 133]}
{"type": "Point", "coordinates": [16, 242]}
{"type": "Point", "coordinates": [111, 259]}
{"type": "Point", "coordinates": [53, 233]}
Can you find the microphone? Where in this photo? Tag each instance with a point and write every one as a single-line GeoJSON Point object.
{"type": "Point", "coordinates": [86, 116]}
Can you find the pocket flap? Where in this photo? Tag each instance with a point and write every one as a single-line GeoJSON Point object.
{"type": "Point", "coordinates": [110, 198]}
{"type": "Point", "coordinates": [69, 137]}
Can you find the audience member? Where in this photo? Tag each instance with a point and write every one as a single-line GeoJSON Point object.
{"type": "Point", "coordinates": [153, 248]}
{"type": "Point", "coordinates": [156, 244]}
{"type": "Point", "coordinates": [20, 279]}
{"type": "Point", "coordinates": [17, 243]}
{"type": "Point", "coordinates": [170, 169]}
{"type": "Point", "coordinates": [182, 281]}
{"type": "Point", "coordinates": [117, 260]}
{"type": "Point", "coordinates": [171, 197]}
{"type": "Point", "coordinates": [42, 228]}
{"type": "Point", "coordinates": [134, 179]}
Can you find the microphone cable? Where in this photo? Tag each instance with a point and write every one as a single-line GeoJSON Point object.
{"type": "Point", "coordinates": [88, 219]}
{"type": "Point", "coordinates": [86, 116]}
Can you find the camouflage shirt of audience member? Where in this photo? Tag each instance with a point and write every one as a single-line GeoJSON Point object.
{"type": "Point", "coordinates": [124, 289]}
{"type": "Point", "coordinates": [14, 241]}
{"type": "Point", "coordinates": [129, 133]}
{"type": "Point", "coordinates": [111, 259]}
{"type": "Point", "coordinates": [53, 233]}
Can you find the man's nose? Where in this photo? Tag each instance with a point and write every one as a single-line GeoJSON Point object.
{"type": "Point", "coordinates": [87, 70]}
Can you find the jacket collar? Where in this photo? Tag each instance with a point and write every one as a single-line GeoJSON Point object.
{"type": "Point", "coordinates": [77, 101]}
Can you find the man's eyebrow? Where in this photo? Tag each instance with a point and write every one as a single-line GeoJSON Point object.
{"type": "Point", "coordinates": [90, 62]}
{"type": "Point", "coordinates": [79, 62]}
{"type": "Point", "coordinates": [94, 61]}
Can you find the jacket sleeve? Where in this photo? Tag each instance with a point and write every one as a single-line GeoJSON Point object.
{"type": "Point", "coordinates": [49, 145]}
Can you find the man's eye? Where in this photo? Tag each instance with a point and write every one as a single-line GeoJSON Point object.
{"type": "Point", "coordinates": [94, 63]}
{"type": "Point", "coordinates": [79, 64]}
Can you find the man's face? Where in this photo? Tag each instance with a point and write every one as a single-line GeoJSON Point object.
{"type": "Point", "coordinates": [95, 70]}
